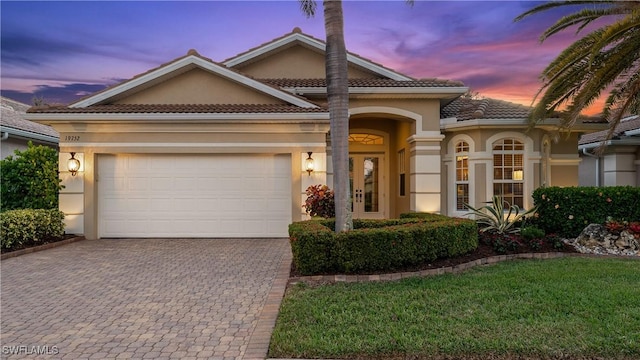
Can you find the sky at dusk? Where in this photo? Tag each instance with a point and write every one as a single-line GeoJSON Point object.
{"type": "Point", "coordinates": [62, 51]}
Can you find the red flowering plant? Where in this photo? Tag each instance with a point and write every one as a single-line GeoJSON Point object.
{"type": "Point", "coordinates": [614, 226]}
{"type": "Point", "coordinates": [634, 228]}
{"type": "Point", "coordinates": [320, 201]}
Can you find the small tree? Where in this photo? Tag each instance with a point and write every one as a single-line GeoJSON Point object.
{"type": "Point", "coordinates": [30, 179]}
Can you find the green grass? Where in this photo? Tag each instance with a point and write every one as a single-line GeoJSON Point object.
{"type": "Point", "coordinates": [562, 308]}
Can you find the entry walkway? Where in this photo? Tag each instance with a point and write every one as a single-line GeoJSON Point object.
{"type": "Point", "coordinates": [144, 299]}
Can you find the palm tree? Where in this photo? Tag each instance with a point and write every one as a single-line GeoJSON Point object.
{"type": "Point", "coordinates": [338, 98]}
{"type": "Point", "coordinates": [606, 59]}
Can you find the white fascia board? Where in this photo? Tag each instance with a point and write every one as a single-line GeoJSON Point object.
{"type": "Point", "coordinates": [193, 60]}
{"type": "Point", "coordinates": [634, 132]}
{"type": "Point", "coordinates": [320, 46]}
{"type": "Point", "coordinates": [30, 135]}
{"type": "Point", "coordinates": [151, 117]}
{"type": "Point", "coordinates": [615, 142]}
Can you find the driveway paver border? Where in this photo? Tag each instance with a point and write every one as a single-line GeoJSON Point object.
{"type": "Point", "coordinates": [258, 346]}
{"type": "Point", "coordinates": [47, 246]}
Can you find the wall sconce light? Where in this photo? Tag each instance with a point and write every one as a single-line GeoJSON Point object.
{"type": "Point", "coordinates": [73, 164]}
{"type": "Point", "coordinates": [309, 164]}
{"type": "Point", "coordinates": [517, 175]}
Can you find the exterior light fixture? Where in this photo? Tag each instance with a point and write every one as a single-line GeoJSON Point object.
{"type": "Point", "coordinates": [73, 164]}
{"type": "Point", "coordinates": [517, 175]}
{"type": "Point", "coordinates": [309, 164]}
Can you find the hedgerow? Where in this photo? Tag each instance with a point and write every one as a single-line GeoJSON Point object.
{"type": "Point", "coordinates": [567, 211]}
{"type": "Point", "coordinates": [21, 228]}
{"type": "Point", "coordinates": [379, 245]}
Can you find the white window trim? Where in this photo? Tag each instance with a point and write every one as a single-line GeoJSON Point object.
{"type": "Point", "coordinates": [450, 162]}
{"type": "Point", "coordinates": [527, 164]}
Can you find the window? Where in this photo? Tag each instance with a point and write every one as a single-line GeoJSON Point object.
{"type": "Point", "coordinates": [366, 139]}
{"type": "Point", "coordinates": [401, 172]}
{"type": "Point", "coordinates": [462, 175]}
{"type": "Point", "coordinates": [508, 171]}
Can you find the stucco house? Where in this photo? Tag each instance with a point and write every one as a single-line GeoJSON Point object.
{"type": "Point", "coordinates": [198, 148]}
{"type": "Point", "coordinates": [619, 163]}
{"type": "Point", "coordinates": [16, 132]}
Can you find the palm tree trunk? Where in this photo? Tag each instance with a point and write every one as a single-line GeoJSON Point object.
{"type": "Point", "coordinates": [338, 98]}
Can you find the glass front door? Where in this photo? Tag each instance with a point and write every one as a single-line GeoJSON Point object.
{"type": "Point", "coordinates": [365, 179]}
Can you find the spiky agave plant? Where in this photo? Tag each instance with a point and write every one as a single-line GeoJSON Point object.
{"type": "Point", "coordinates": [493, 217]}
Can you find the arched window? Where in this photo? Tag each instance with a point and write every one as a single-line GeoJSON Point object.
{"type": "Point", "coordinates": [462, 175]}
{"type": "Point", "coordinates": [508, 171]}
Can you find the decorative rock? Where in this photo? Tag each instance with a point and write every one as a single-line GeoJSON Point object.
{"type": "Point", "coordinates": [596, 239]}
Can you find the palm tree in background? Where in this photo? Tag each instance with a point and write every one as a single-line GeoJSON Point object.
{"type": "Point", "coordinates": [338, 98]}
{"type": "Point", "coordinates": [606, 59]}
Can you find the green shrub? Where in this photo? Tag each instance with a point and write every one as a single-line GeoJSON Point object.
{"type": "Point", "coordinates": [27, 227]}
{"type": "Point", "coordinates": [423, 216]}
{"type": "Point", "coordinates": [532, 232]}
{"type": "Point", "coordinates": [378, 245]}
{"type": "Point", "coordinates": [567, 211]}
{"type": "Point", "coordinates": [30, 179]}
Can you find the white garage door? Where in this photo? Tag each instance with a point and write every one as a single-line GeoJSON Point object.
{"type": "Point", "coordinates": [194, 195]}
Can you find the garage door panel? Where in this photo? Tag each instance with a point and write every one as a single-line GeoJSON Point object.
{"type": "Point", "coordinates": [194, 195]}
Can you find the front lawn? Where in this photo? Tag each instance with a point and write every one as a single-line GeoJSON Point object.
{"type": "Point", "coordinates": [568, 308]}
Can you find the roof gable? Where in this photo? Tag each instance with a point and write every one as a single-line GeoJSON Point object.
{"type": "Point", "coordinates": [297, 38]}
{"type": "Point", "coordinates": [180, 66]}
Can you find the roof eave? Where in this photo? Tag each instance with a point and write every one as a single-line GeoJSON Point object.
{"type": "Point", "coordinates": [184, 117]}
{"type": "Point", "coordinates": [414, 92]}
{"type": "Point", "coordinates": [28, 135]}
{"type": "Point", "coordinates": [613, 142]}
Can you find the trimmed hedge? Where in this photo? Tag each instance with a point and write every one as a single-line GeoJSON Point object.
{"type": "Point", "coordinates": [378, 245]}
{"type": "Point", "coordinates": [567, 211]}
{"type": "Point", "coordinates": [27, 227]}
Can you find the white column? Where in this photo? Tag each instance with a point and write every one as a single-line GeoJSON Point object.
{"type": "Point", "coordinates": [425, 172]}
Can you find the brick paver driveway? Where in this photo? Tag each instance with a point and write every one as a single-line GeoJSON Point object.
{"type": "Point", "coordinates": [144, 299]}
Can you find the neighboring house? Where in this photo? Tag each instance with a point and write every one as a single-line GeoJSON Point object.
{"type": "Point", "coordinates": [619, 163]}
{"type": "Point", "coordinates": [16, 132]}
{"type": "Point", "coordinates": [197, 148]}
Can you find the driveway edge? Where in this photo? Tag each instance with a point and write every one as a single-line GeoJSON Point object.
{"type": "Point", "coordinates": [40, 247]}
{"type": "Point", "coordinates": [258, 346]}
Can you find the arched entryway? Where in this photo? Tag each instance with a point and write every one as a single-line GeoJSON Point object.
{"type": "Point", "coordinates": [368, 152]}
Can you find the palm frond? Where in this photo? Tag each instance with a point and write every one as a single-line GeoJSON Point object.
{"type": "Point", "coordinates": [308, 7]}
{"type": "Point", "coordinates": [606, 59]}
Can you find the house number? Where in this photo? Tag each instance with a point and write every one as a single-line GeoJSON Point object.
{"type": "Point", "coordinates": [72, 138]}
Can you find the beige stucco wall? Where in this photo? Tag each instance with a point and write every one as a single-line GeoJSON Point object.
{"type": "Point", "coordinates": [198, 86]}
{"type": "Point", "coordinates": [296, 62]}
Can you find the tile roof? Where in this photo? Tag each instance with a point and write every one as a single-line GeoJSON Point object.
{"type": "Point", "coordinates": [626, 124]}
{"type": "Point", "coordinates": [178, 108]}
{"type": "Point", "coordinates": [289, 83]}
{"type": "Point", "coordinates": [467, 109]}
{"type": "Point", "coordinates": [12, 117]}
